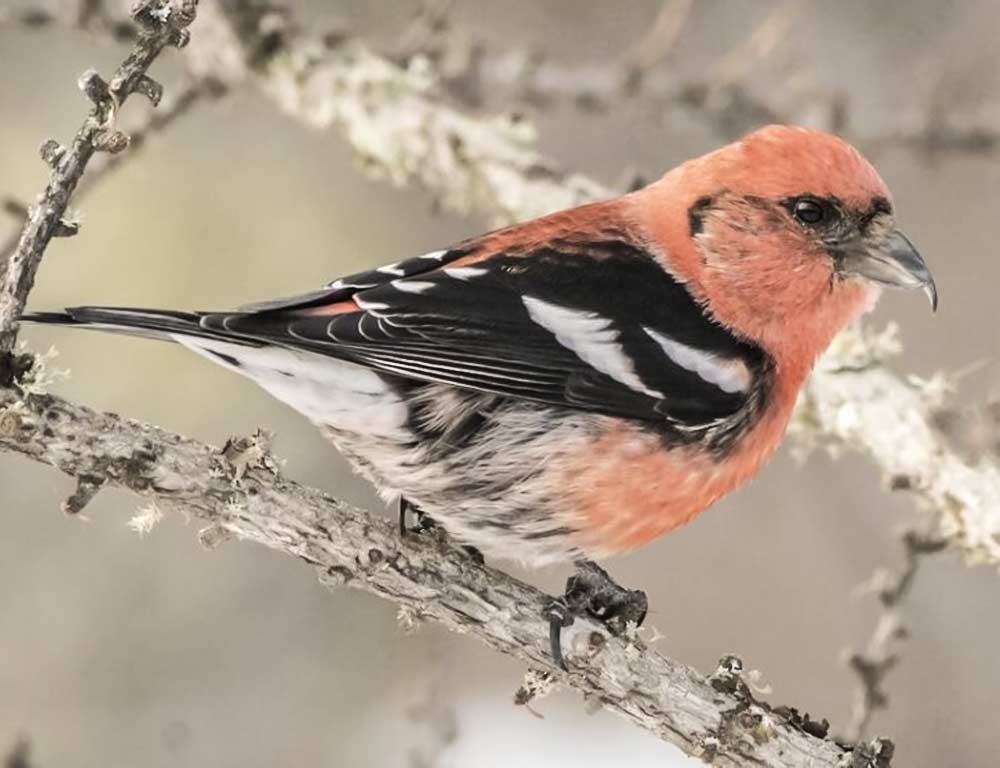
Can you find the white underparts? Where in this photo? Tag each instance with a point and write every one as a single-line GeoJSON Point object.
{"type": "Point", "coordinates": [324, 389]}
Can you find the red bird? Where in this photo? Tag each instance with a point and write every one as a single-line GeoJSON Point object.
{"type": "Point", "coordinates": [575, 386]}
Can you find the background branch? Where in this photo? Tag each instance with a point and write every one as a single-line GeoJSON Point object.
{"type": "Point", "coordinates": [872, 664]}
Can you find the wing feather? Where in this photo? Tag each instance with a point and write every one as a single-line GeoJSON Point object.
{"type": "Point", "coordinates": [599, 326]}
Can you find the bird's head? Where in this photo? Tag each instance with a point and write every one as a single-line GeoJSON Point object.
{"type": "Point", "coordinates": [786, 235]}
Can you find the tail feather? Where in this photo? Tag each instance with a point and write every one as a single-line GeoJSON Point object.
{"type": "Point", "coordinates": [163, 324]}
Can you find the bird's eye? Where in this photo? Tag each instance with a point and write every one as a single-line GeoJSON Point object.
{"type": "Point", "coordinates": [810, 211]}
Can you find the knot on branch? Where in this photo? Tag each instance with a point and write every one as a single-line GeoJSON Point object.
{"type": "Point", "coordinates": [87, 487]}
{"type": "Point", "coordinates": [874, 754]}
{"type": "Point", "coordinates": [52, 152]}
{"type": "Point", "coordinates": [164, 17]}
{"type": "Point", "coordinates": [104, 136]}
{"type": "Point", "coordinates": [728, 677]}
{"type": "Point", "coordinates": [243, 454]}
{"type": "Point", "coordinates": [14, 366]}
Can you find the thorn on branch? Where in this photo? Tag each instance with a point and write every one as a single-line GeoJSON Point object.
{"type": "Point", "coordinates": [87, 487]}
{"type": "Point", "coordinates": [149, 88]}
{"type": "Point", "coordinates": [66, 228]}
{"type": "Point", "coordinates": [111, 142]}
{"type": "Point", "coordinates": [52, 152]}
{"type": "Point", "coordinates": [95, 88]}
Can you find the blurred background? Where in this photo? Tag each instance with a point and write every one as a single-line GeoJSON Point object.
{"type": "Point", "coordinates": [121, 650]}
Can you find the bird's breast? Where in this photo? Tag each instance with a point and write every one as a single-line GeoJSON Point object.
{"type": "Point", "coordinates": [629, 488]}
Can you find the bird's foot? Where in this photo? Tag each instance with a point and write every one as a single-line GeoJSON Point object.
{"type": "Point", "coordinates": [591, 592]}
{"type": "Point", "coordinates": [425, 523]}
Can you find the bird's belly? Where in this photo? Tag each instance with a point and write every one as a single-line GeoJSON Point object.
{"type": "Point", "coordinates": [495, 486]}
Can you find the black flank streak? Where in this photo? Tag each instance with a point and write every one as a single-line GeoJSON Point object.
{"type": "Point", "coordinates": [226, 358]}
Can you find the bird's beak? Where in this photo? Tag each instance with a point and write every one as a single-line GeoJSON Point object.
{"type": "Point", "coordinates": [891, 261]}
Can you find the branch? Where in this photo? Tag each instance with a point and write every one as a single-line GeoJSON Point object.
{"type": "Point", "coordinates": [727, 99]}
{"type": "Point", "coordinates": [404, 131]}
{"type": "Point", "coordinates": [717, 718]}
{"type": "Point", "coordinates": [163, 25]}
{"type": "Point", "coordinates": [175, 104]}
{"type": "Point", "coordinates": [873, 664]}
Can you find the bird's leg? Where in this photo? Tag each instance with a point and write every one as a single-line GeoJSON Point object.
{"type": "Point", "coordinates": [426, 523]}
{"type": "Point", "coordinates": [591, 592]}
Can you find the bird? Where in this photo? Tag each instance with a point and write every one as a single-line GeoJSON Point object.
{"type": "Point", "coordinates": [572, 387]}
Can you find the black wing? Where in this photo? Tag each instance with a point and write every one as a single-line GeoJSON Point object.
{"type": "Point", "coordinates": [597, 326]}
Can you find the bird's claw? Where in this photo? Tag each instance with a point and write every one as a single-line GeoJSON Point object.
{"type": "Point", "coordinates": [425, 523]}
{"type": "Point", "coordinates": [559, 615]}
{"type": "Point", "coordinates": [591, 592]}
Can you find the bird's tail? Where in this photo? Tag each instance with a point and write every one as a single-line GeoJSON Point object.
{"type": "Point", "coordinates": [163, 324]}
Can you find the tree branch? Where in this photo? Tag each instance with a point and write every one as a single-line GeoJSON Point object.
{"type": "Point", "coordinates": [176, 104]}
{"type": "Point", "coordinates": [872, 664]}
{"type": "Point", "coordinates": [717, 718]}
{"type": "Point", "coordinates": [162, 25]}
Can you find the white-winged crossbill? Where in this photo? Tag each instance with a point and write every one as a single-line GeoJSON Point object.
{"type": "Point", "coordinates": [577, 385]}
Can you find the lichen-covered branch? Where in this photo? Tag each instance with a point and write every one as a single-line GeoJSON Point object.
{"type": "Point", "coordinates": [403, 130]}
{"type": "Point", "coordinates": [873, 663]}
{"type": "Point", "coordinates": [162, 24]}
{"type": "Point", "coordinates": [235, 492]}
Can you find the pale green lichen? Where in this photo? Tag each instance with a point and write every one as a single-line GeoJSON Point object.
{"type": "Point", "coordinates": [42, 374]}
{"type": "Point", "coordinates": [146, 519]}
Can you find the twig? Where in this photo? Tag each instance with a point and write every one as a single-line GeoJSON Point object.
{"type": "Point", "coordinates": [163, 24]}
{"type": "Point", "coordinates": [176, 104]}
{"type": "Point", "coordinates": [723, 101]}
{"type": "Point", "coordinates": [717, 718]}
{"type": "Point", "coordinates": [882, 653]}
